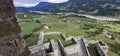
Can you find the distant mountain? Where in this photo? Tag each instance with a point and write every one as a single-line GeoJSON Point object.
{"type": "Point", "coordinates": [22, 9]}
{"type": "Point", "coordinates": [37, 7]}
{"type": "Point", "coordinates": [101, 7]}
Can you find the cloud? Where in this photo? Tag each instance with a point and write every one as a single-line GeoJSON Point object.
{"type": "Point", "coordinates": [55, 1]}
{"type": "Point", "coordinates": [29, 3]}
{"type": "Point", "coordinates": [19, 4]}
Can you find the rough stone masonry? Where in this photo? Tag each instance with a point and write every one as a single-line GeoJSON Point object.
{"type": "Point", "coordinates": [11, 41]}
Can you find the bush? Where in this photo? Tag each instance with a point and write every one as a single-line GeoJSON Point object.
{"type": "Point", "coordinates": [27, 36]}
{"type": "Point", "coordinates": [37, 21]}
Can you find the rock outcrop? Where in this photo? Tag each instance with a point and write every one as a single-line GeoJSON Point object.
{"type": "Point", "coordinates": [11, 41]}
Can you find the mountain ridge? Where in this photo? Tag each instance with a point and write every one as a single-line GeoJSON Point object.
{"type": "Point", "coordinates": [82, 6]}
{"type": "Point", "coordinates": [40, 5]}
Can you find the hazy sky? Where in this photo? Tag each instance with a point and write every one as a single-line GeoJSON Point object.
{"type": "Point", "coordinates": [28, 3]}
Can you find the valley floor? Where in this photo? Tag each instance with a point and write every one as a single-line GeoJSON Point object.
{"type": "Point", "coordinates": [71, 26]}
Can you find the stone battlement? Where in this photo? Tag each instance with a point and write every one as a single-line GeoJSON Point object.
{"type": "Point", "coordinates": [56, 47]}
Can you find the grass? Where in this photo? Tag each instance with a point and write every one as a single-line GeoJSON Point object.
{"type": "Point", "coordinates": [113, 27]}
{"type": "Point", "coordinates": [32, 40]}
{"type": "Point", "coordinates": [47, 38]}
{"type": "Point", "coordinates": [67, 43]}
{"type": "Point", "coordinates": [71, 28]}
{"type": "Point", "coordinates": [113, 46]}
{"type": "Point", "coordinates": [28, 27]}
{"type": "Point", "coordinates": [48, 54]}
{"type": "Point", "coordinates": [56, 24]}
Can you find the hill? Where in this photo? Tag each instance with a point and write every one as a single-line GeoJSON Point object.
{"type": "Point", "coordinates": [99, 7]}
{"type": "Point", "coordinates": [39, 6]}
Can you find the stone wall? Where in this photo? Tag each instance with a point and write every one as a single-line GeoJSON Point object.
{"type": "Point", "coordinates": [41, 37]}
{"type": "Point", "coordinates": [102, 48]}
{"type": "Point", "coordinates": [54, 48]}
{"type": "Point", "coordinates": [11, 41]}
{"type": "Point", "coordinates": [80, 40]}
{"type": "Point", "coordinates": [69, 50]}
{"type": "Point", "coordinates": [37, 50]}
{"type": "Point", "coordinates": [87, 52]}
{"type": "Point", "coordinates": [62, 48]}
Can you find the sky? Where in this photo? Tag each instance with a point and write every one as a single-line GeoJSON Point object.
{"type": "Point", "coordinates": [30, 3]}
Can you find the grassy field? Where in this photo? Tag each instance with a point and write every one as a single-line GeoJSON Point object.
{"type": "Point", "coordinates": [28, 27]}
{"type": "Point", "coordinates": [47, 38]}
{"type": "Point", "coordinates": [113, 27]}
{"type": "Point", "coordinates": [72, 26]}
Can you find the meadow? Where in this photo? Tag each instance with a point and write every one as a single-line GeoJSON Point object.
{"type": "Point", "coordinates": [70, 26]}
